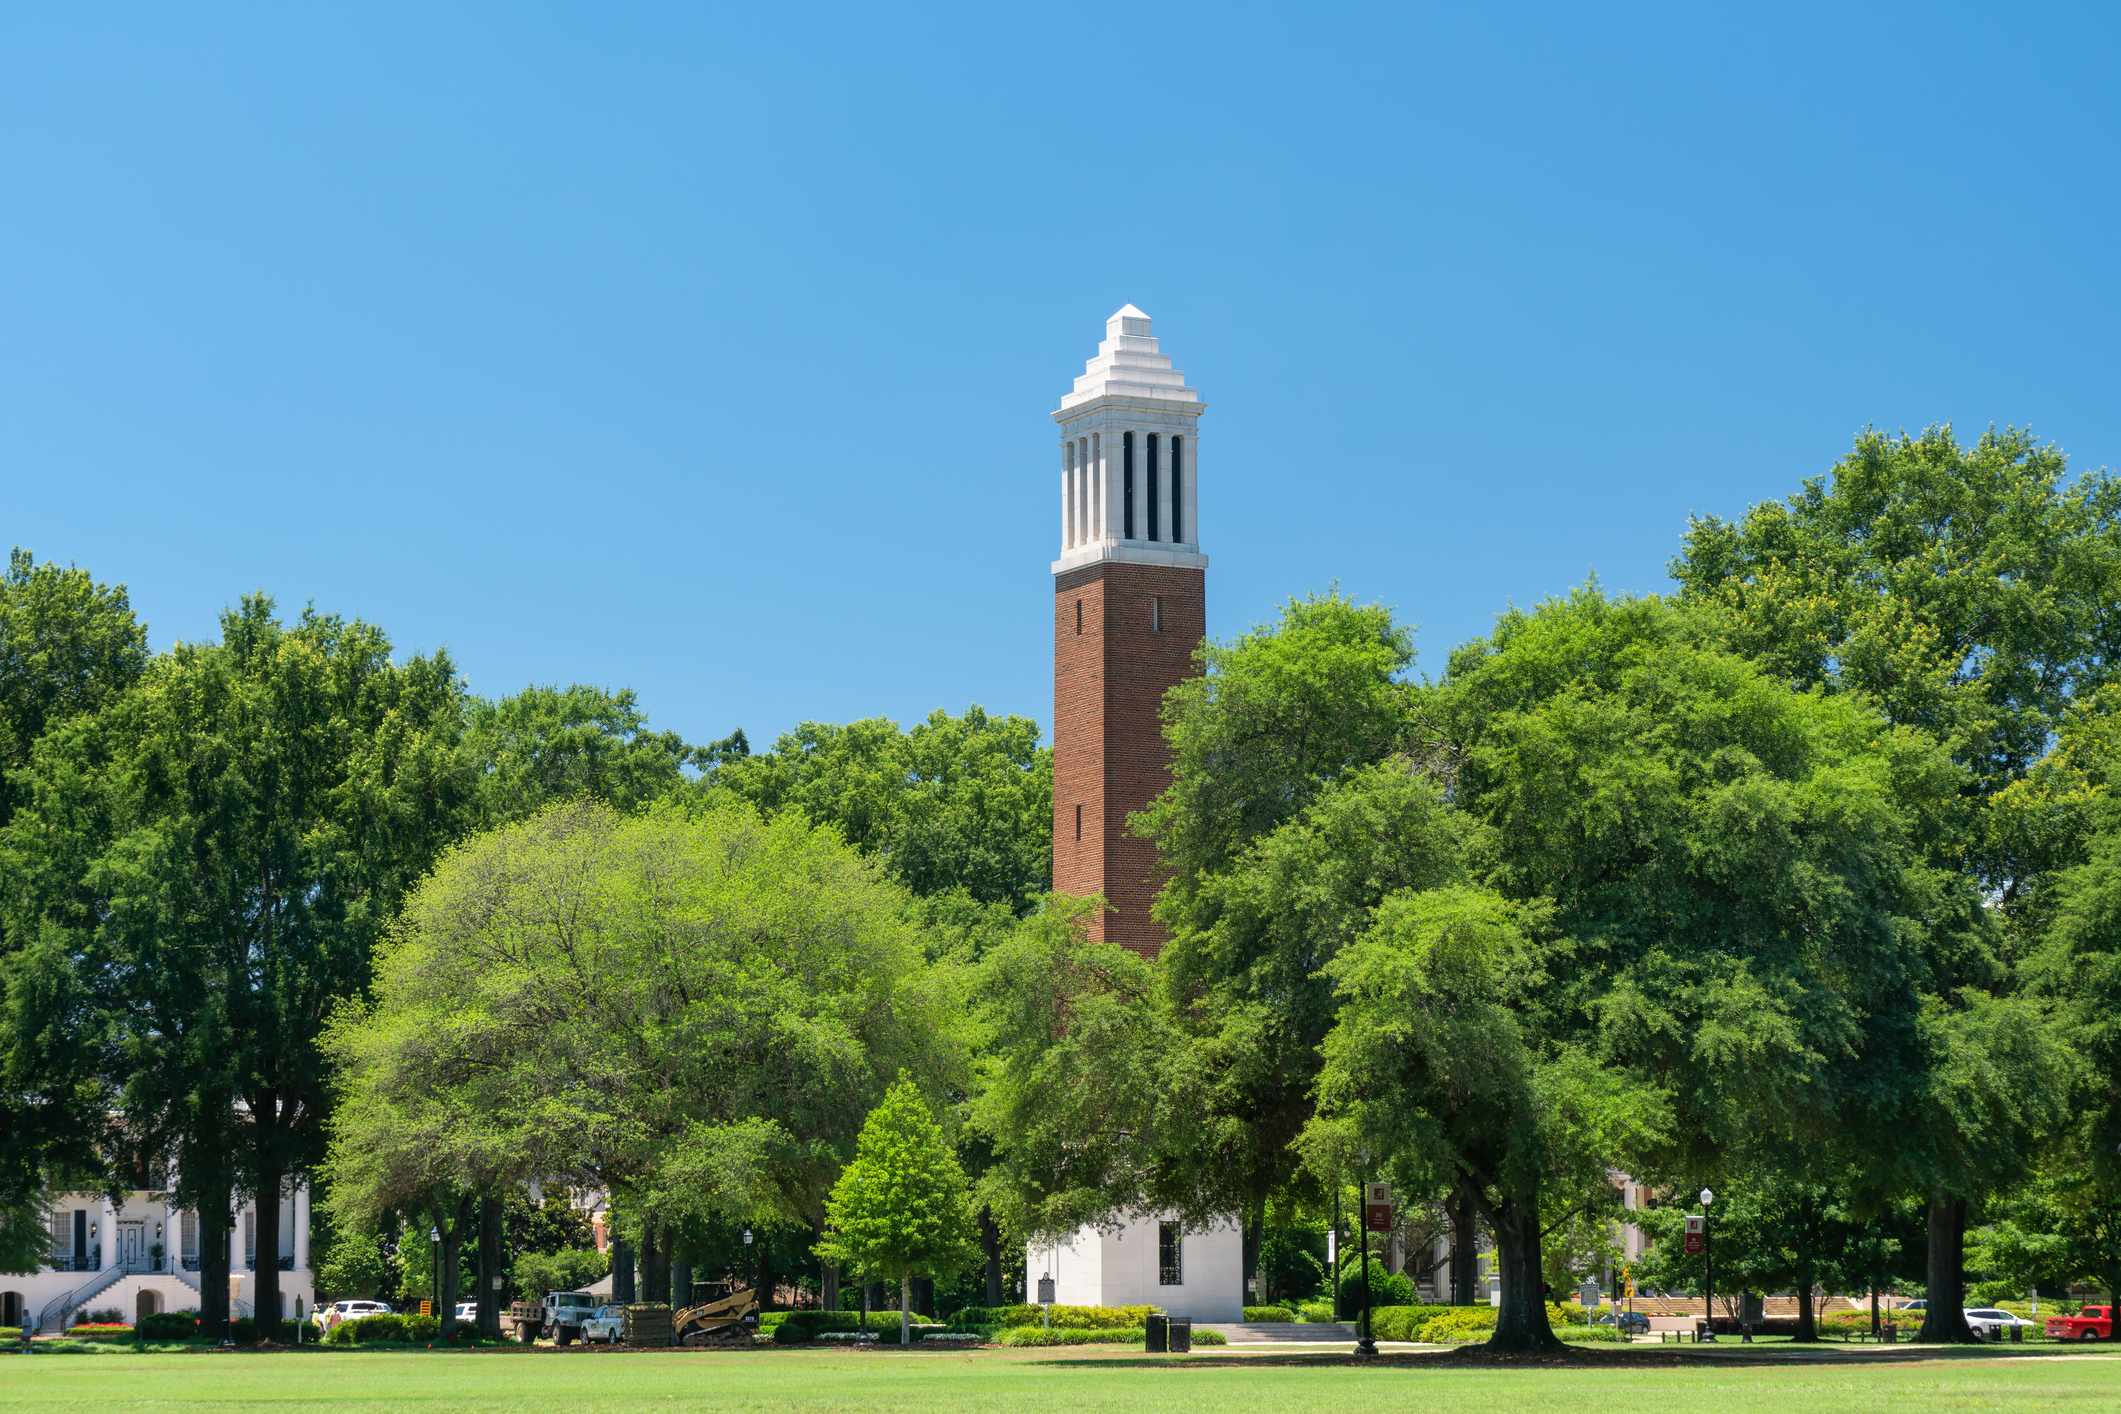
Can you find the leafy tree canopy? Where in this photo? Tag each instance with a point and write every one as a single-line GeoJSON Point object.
{"type": "Point", "coordinates": [548, 744]}
{"type": "Point", "coordinates": [957, 804]}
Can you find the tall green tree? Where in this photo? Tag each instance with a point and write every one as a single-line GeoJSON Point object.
{"type": "Point", "coordinates": [957, 805]}
{"type": "Point", "coordinates": [68, 646]}
{"type": "Point", "coordinates": [1731, 879]}
{"type": "Point", "coordinates": [901, 1208]}
{"type": "Point", "coordinates": [1967, 591]}
{"type": "Point", "coordinates": [690, 1009]}
{"type": "Point", "coordinates": [547, 744]}
{"type": "Point", "coordinates": [207, 863]}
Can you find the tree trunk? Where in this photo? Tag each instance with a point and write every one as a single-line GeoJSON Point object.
{"type": "Point", "coordinates": [1874, 1308]}
{"type": "Point", "coordinates": [680, 1284]}
{"type": "Point", "coordinates": [1465, 1246]}
{"type": "Point", "coordinates": [990, 1238]}
{"type": "Point", "coordinates": [764, 1276]}
{"type": "Point", "coordinates": [1521, 1324]}
{"type": "Point", "coordinates": [623, 1290]}
{"type": "Point", "coordinates": [655, 1262]}
{"type": "Point", "coordinates": [489, 1268]}
{"type": "Point", "coordinates": [905, 1316]}
{"type": "Point", "coordinates": [829, 1288]}
{"type": "Point", "coordinates": [1807, 1229]}
{"type": "Point", "coordinates": [1944, 1317]}
{"type": "Point", "coordinates": [1255, 1234]}
{"type": "Point", "coordinates": [215, 1230]}
{"type": "Point", "coordinates": [451, 1225]}
{"type": "Point", "coordinates": [265, 1259]}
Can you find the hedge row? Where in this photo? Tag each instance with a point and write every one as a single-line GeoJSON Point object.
{"type": "Point", "coordinates": [1269, 1313]}
{"type": "Point", "coordinates": [1082, 1335]}
{"type": "Point", "coordinates": [408, 1330]}
{"type": "Point", "coordinates": [1064, 1317]}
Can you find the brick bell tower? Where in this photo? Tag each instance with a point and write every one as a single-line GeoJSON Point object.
{"type": "Point", "coordinates": [1129, 607]}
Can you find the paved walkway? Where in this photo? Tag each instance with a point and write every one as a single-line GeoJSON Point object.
{"type": "Point", "coordinates": [1283, 1332]}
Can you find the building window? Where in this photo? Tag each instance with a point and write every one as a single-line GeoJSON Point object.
{"type": "Point", "coordinates": [1178, 498]}
{"type": "Point", "coordinates": [1152, 485]}
{"type": "Point", "coordinates": [1126, 483]}
{"type": "Point", "coordinates": [1169, 1269]}
{"type": "Point", "coordinates": [80, 1239]}
{"type": "Point", "coordinates": [1156, 613]}
{"type": "Point", "coordinates": [1078, 822]}
{"type": "Point", "coordinates": [1078, 616]}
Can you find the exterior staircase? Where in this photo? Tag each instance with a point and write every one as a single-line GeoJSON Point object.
{"type": "Point", "coordinates": [1283, 1332]}
{"type": "Point", "coordinates": [114, 1286]}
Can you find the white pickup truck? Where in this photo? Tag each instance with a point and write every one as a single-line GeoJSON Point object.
{"type": "Point", "coordinates": [606, 1323]}
{"type": "Point", "coordinates": [560, 1315]}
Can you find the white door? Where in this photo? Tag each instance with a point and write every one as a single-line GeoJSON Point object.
{"type": "Point", "coordinates": [130, 1257]}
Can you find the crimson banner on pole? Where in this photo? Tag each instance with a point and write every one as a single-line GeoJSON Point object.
{"type": "Point", "coordinates": [1696, 1243]}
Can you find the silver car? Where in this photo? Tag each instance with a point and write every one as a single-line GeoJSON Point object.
{"type": "Point", "coordinates": [607, 1323]}
{"type": "Point", "coordinates": [1988, 1321]}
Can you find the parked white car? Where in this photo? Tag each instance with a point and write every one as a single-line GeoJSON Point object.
{"type": "Point", "coordinates": [1988, 1321]}
{"type": "Point", "coordinates": [607, 1324]}
{"type": "Point", "coordinates": [330, 1317]}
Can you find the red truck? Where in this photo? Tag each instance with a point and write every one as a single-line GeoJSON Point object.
{"type": "Point", "coordinates": [2090, 1323]}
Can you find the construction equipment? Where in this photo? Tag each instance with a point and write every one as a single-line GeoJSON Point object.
{"type": "Point", "coordinates": [731, 1319]}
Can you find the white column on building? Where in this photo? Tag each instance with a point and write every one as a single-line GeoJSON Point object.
{"type": "Point", "coordinates": [1097, 486]}
{"type": "Point", "coordinates": [1067, 487]}
{"type": "Point", "coordinates": [1191, 487]}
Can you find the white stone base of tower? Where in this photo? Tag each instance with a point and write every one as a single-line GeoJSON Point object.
{"type": "Point", "coordinates": [1127, 1266]}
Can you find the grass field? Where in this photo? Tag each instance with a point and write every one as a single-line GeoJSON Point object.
{"type": "Point", "coordinates": [995, 1382]}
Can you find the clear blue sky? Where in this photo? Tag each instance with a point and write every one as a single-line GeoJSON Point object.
{"type": "Point", "coordinates": [712, 351]}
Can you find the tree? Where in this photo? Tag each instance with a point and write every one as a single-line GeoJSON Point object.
{"type": "Point", "coordinates": [68, 647]}
{"type": "Point", "coordinates": [1967, 591]}
{"type": "Point", "coordinates": [690, 1008]}
{"type": "Point", "coordinates": [1730, 893]}
{"type": "Point", "coordinates": [548, 744]}
{"type": "Point", "coordinates": [1440, 1050]}
{"type": "Point", "coordinates": [205, 864]}
{"type": "Point", "coordinates": [900, 1208]}
{"type": "Point", "coordinates": [958, 805]}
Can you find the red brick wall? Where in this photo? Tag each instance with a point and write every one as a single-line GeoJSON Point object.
{"type": "Point", "coordinates": [1109, 756]}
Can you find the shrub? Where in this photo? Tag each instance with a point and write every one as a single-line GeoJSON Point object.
{"type": "Point", "coordinates": [404, 1330]}
{"type": "Point", "coordinates": [788, 1333]}
{"type": "Point", "coordinates": [1269, 1313]}
{"type": "Point", "coordinates": [108, 1316]}
{"type": "Point", "coordinates": [1064, 1317]}
{"type": "Point", "coordinates": [1458, 1325]}
{"type": "Point", "coordinates": [1081, 1335]}
{"type": "Point", "coordinates": [1386, 1288]}
{"type": "Point", "coordinates": [1316, 1310]}
{"type": "Point", "coordinates": [245, 1330]}
{"type": "Point", "coordinates": [1576, 1334]}
{"type": "Point", "coordinates": [1402, 1322]}
{"type": "Point", "coordinates": [168, 1325]}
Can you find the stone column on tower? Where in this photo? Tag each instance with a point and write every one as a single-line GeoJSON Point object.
{"type": "Point", "coordinates": [1129, 608]}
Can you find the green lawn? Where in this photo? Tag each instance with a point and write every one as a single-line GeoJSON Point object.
{"type": "Point", "coordinates": [995, 1382]}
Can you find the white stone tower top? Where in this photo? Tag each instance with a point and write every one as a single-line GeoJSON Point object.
{"type": "Point", "coordinates": [1129, 365]}
{"type": "Point", "coordinates": [1130, 455]}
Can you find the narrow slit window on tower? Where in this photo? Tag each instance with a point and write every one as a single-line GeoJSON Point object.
{"type": "Point", "coordinates": [1152, 485]}
{"type": "Point", "coordinates": [1126, 475]}
{"type": "Point", "coordinates": [1078, 822]}
{"type": "Point", "coordinates": [1078, 616]}
{"type": "Point", "coordinates": [1178, 488]}
{"type": "Point", "coordinates": [1156, 613]}
{"type": "Point", "coordinates": [1170, 1254]}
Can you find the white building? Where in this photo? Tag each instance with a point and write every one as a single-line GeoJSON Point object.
{"type": "Point", "coordinates": [141, 1255]}
{"type": "Point", "coordinates": [1147, 1262]}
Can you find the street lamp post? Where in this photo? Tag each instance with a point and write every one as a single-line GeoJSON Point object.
{"type": "Point", "coordinates": [1366, 1346]}
{"type": "Point", "coordinates": [1708, 1264]}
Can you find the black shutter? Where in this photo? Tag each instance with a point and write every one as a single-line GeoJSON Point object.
{"type": "Point", "coordinates": [1178, 497]}
{"type": "Point", "coordinates": [1126, 446]}
{"type": "Point", "coordinates": [1152, 485]}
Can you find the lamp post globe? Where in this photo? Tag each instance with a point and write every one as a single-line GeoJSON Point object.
{"type": "Point", "coordinates": [1707, 1197]}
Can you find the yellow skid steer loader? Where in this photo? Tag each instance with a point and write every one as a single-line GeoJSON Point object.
{"type": "Point", "coordinates": [729, 1320]}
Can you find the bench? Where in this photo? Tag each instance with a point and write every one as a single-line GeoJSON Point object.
{"type": "Point", "coordinates": [1677, 1326]}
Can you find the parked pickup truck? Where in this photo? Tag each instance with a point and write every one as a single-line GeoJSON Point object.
{"type": "Point", "coordinates": [2090, 1323]}
{"type": "Point", "coordinates": [559, 1315]}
